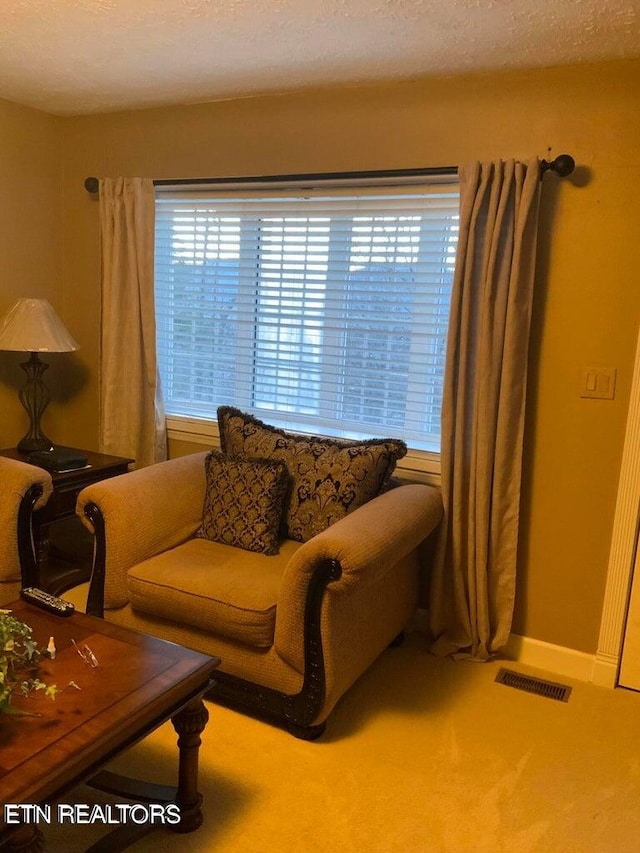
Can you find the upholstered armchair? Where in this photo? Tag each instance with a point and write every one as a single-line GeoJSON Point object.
{"type": "Point", "coordinates": [23, 489]}
{"type": "Point", "coordinates": [294, 629]}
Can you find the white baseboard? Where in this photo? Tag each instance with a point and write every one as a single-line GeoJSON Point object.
{"type": "Point", "coordinates": [598, 669]}
{"type": "Point", "coordinates": [560, 660]}
{"type": "Point", "coordinates": [605, 670]}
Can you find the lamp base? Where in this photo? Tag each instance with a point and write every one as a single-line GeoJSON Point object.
{"type": "Point", "coordinates": [34, 396]}
{"type": "Point", "coordinates": [30, 445]}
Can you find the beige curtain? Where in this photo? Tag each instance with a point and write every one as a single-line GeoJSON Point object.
{"type": "Point", "coordinates": [131, 412]}
{"type": "Point", "coordinates": [473, 581]}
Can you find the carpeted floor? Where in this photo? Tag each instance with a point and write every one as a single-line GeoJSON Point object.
{"type": "Point", "coordinates": [421, 756]}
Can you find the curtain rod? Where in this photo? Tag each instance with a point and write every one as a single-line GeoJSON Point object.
{"type": "Point", "coordinates": [562, 166]}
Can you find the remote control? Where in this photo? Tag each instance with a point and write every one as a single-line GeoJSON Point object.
{"type": "Point", "coordinates": [47, 601]}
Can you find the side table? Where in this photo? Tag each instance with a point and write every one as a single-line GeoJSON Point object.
{"type": "Point", "coordinates": [61, 506]}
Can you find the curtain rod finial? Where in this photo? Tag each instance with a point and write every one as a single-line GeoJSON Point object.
{"type": "Point", "coordinates": [563, 165]}
{"type": "Point", "coordinates": [92, 185]}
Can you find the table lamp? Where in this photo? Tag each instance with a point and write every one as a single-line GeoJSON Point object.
{"type": "Point", "coordinates": [33, 326]}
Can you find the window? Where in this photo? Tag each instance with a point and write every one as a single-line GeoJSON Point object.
{"type": "Point", "coordinates": [320, 311]}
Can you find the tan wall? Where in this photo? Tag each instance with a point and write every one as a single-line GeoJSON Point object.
{"type": "Point", "coordinates": [30, 256]}
{"type": "Point", "coordinates": [587, 302]}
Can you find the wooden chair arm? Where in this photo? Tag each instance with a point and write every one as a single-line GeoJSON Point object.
{"type": "Point", "coordinates": [365, 545]}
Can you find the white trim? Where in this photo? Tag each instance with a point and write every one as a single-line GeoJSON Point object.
{"type": "Point", "coordinates": [417, 466]}
{"type": "Point", "coordinates": [605, 670]}
{"type": "Point", "coordinates": [624, 536]}
{"type": "Point", "coordinates": [560, 660]}
{"type": "Point", "coordinates": [194, 430]}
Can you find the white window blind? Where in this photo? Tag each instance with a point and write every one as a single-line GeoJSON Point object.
{"type": "Point", "coordinates": [318, 312]}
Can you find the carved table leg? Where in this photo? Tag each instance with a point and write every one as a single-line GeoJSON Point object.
{"type": "Point", "coordinates": [189, 724]}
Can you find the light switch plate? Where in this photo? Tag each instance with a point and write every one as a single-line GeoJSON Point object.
{"type": "Point", "coordinates": [598, 383]}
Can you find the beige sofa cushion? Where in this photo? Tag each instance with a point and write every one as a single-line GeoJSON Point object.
{"type": "Point", "coordinates": [214, 587]}
{"type": "Point", "coordinates": [243, 502]}
{"type": "Point", "coordinates": [329, 477]}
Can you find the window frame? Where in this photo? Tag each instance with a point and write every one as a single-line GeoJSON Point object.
{"type": "Point", "coordinates": [420, 466]}
{"type": "Point", "coordinates": [417, 465]}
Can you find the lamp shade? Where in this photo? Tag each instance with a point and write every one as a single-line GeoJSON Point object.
{"type": "Point", "coordinates": [33, 326]}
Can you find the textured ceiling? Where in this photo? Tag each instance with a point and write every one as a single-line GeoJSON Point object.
{"type": "Point", "coordinates": [84, 56]}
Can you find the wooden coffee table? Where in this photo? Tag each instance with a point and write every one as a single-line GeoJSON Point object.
{"type": "Point", "coordinates": [140, 683]}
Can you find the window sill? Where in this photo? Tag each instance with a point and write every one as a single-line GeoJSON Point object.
{"type": "Point", "coordinates": [417, 466]}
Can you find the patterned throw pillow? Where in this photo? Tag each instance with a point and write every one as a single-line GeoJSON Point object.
{"type": "Point", "coordinates": [328, 477]}
{"type": "Point", "coordinates": [243, 502]}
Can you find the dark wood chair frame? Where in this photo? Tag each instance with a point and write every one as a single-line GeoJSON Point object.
{"type": "Point", "coordinates": [26, 546]}
{"type": "Point", "coordinates": [294, 712]}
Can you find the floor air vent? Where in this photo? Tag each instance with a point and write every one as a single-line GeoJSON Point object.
{"type": "Point", "coordinates": [549, 689]}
